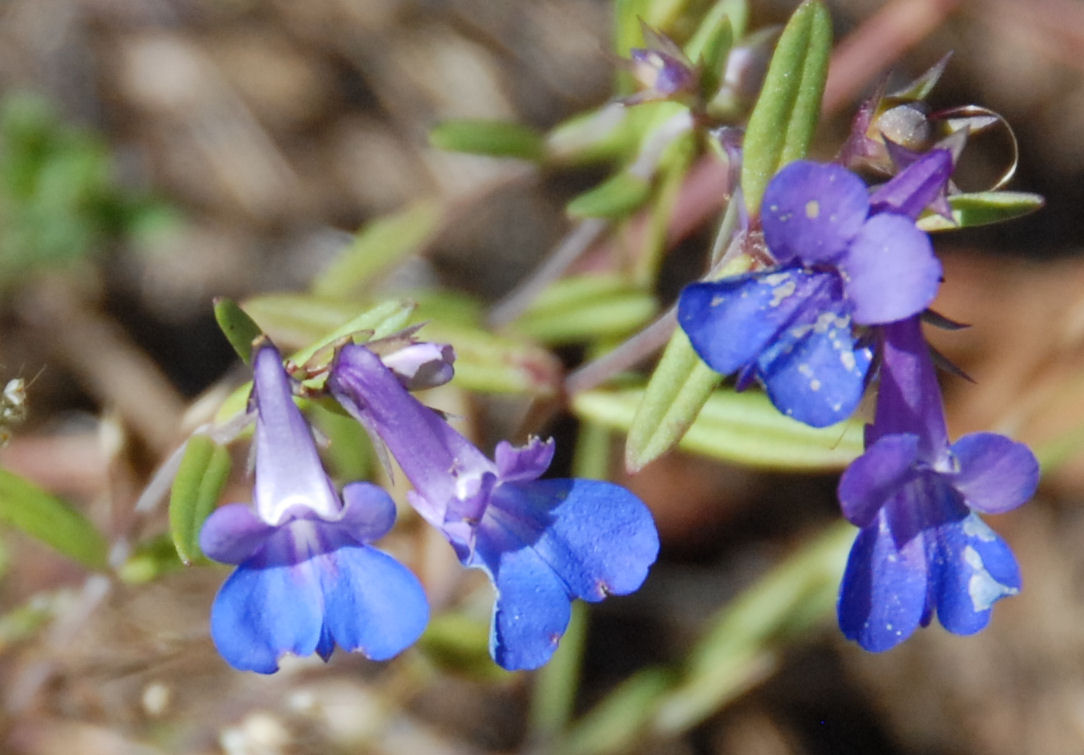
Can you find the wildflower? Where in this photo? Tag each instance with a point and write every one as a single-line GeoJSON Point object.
{"type": "Point", "coordinates": [844, 258]}
{"type": "Point", "coordinates": [306, 578]}
{"type": "Point", "coordinates": [922, 546]}
{"type": "Point", "coordinates": [542, 542]}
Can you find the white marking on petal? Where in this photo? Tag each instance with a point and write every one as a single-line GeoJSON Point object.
{"type": "Point", "coordinates": [983, 589]}
{"type": "Point", "coordinates": [781, 292]}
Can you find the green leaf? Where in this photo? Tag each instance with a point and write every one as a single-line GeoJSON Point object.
{"type": "Point", "coordinates": [982, 208]}
{"type": "Point", "coordinates": [710, 46]}
{"type": "Point", "coordinates": [666, 408]}
{"type": "Point", "coordinates": [493, 138]}
{"type": "Point", "coordinates": [615, 197]}
{"type": "Point", "coordinates": [204, 470]}
{"type": "Point", "coordinates": [378, 246]}
{"type": "Point", "coordinates": [585, 307]}
{"type": "Point", "coordinates": [295, 320]}
{"type": "Point", "coordinates": [240, 329]}
{"type": "Point", "coordinates": [744, 640]}
{"type": "Point", "coordinates": [616, 724]}
{"type": "Point", "coordinates": [741, 428]}
{"type": "Point", "coordinates": [783, 120]}
{"type": "Point", "coordinates": [30, 509]}
{"type": "Point", "coordinates": [612, 132]}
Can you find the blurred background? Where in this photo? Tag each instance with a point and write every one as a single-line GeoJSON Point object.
{"type": "Point", "coordinates": [157, 153]}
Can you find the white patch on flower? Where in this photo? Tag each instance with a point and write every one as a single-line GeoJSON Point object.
{"type": "Point", "coordinates": [983, 589]}
{"type": "Point", "coordinates": [814, 385]}
{"type": "Point", "coordinates": [781, 292]}
{"type": "Point", "coordinates": [812, 209]}
{"type": "Point", "coordinates": [805, 370]}
{"type": "Point", "coordinates": [829, 320]}
{"type": "Point", "coordinates": [975, 527]}
{"type": "Point", "coordinates": [847, 358]}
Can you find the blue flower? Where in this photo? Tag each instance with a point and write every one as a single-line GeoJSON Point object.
{"type": "Point", "coordinates": [306, 579]}
{"type": "Point", "coordinates": [845, 258]}
{"type": "Point", "coordinates": [922, 548]}
{"type": "Point", "coordinates": [542, 542]}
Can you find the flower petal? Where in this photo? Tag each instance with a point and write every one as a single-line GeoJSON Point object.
{"type": "Point", "coordinates": [597, 537]}
{"type": "Point", "coordinates": [811, 211]}
{"type": "Point", "coordinates": [974, 568]}
{"type": "Point", "coordinates": [421, 365]}
{"type": "Point", "coordinates": [368, 512]}
{"type": "Point", "coordinates": [915, 187]}
{"type": "Point", "coordinates": [730, 322]}
{"type": "Point", "coordinates": [288, 468]}
{"type": "Point", "coordinates": [438, 461]}
{"type": "Point", "coordinates": [532, 609]}
{"type": "Point", "coordinates": [268, 607]}
{"type": "Point", "coordinates": [884, 588]}
{"type": "Point", "coordinates": [527, 462]}
{"type": "Point", "coordinates": [373, 604]}
{"type": "Point", "coordinates": [890, 270]}
{"type": "Point", "coordinates": [876, 476]}
{"type": "Point", "coordinates": [232, 533]}
{"type": "Point", "coordinates": [995, 474]}
{"type": "Point", "coordinates": [816, 372]}
{"type": "Point", "coordinates": [546, 542]}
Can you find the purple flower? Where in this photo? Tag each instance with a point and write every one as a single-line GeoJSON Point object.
{"type": "Point", "coordinates": [306, 579]}
{"type": "Point", "coordinates": [922, 546]}
{"type": "Point", "coordinates": [542, 542]}
{"type": "Point", "coordinates": [845, 258]}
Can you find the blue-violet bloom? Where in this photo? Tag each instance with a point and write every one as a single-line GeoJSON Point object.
{"type": "Point", "coordinates": [844, 258]}
{"type": "Point", "coordinates": [542, 542]}
{"type": "Point", "coordinates": [922, 546]}
{"type": "Point", "coordinates": [306, 578]}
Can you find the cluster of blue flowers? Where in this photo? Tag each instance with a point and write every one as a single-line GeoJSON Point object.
{"type": "Point", "coordinates": [852, 277]}
{"type": "Point", "coordinates": [308, 577]}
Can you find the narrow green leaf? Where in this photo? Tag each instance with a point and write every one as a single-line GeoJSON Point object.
{"type": "Point", "coordinates": [586, 307]}
{"type": "Point", "coordinates": [493, 138]}
{"type": "Point", "coordinates": [612, 132]}
{"type": "Point", "coordinates": [741, 428]}
{"type": "Point", "coordinates": [30, 509]}
{"type": "Point", "coordinates": [617, 723]}
{"type": "Point", "coordinates": [376, 247]}
{"type": "Point", "coordinates": [293, 320]}
{"type": "Point", "coordinates": [710, 46]}
{"type": "Point", "coordinates": [982, 208]}
{"type": "Point", "coordinates": [783, 120]}
{"type": "Point", "coordinates": [745, 638]}
{"type": "Point", "coordinates": [196, 488]}
{"type": "Point", "coordinates": [615, 197]}
{"type": "Point", "coordinates": [666, 408]}
{"type": "Point", "coordinates": [240, 329]}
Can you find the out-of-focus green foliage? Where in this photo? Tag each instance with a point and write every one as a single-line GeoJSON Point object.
{"type": "Point", "coordinates": [377, 247]}
{"type": "Point", "coordinates": [584, 307]}
{"type": "Point", "coordinates": [30, 509]}
{"type": "Point", "coordinates": [740, 646]}
{"type": "Point", "coordinates": [59, 199]}
{"type": "Point", "coordinates": [493, 138]}
{"type": "Point", "coordinates": [742, 428]}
